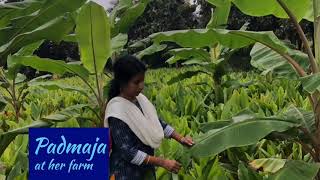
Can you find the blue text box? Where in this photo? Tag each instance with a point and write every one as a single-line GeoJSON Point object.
{"type": "Point", "coordinates": [66, 153]}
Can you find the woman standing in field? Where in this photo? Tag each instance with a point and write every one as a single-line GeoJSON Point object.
{"type": "Point", "coordinates": [135, 127]}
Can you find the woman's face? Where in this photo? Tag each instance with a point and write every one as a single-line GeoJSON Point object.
{"type": "Point", "coordinates": [134, 86]}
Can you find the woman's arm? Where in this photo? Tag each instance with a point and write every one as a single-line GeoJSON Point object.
{"type": "Point", "coordinates": [169, 132]}
{"type": "Point", "coordinates": [120, 133]}
{"type": "Point", "coordinates": [167, 129]}
{"type": "Point", "coordinates": [128, 150]}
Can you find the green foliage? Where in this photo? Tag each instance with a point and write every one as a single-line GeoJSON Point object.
{"type": "Point", "coordinates": [185, 106]}
{"type": "Point", "coordinates": [43, 20]}
{"type": "Point", "coordinates": [248, 131]}
{"type": "Point", "coordinates": [219, 17]}
{"type": "Point", "coordinates": [235, 118]}
{"type": "Point", "coordinates": [293, 169]}
{"type": "Point", "coordinates": [13, 10]}
{"type": "Point", "coordinates": [53, 30]}
{"type": "Point", "coordinates": [197, 38]}
{"type": "Point", "coordinates": [48, 65]}
{"type": "Point", "coordinates": [187, 53]}
{"type": "Point", "coordinates": [127, 14]}
{"type": "Point", "coordinates": [93, 34]}
{"type": "Point", "coordinates": [268, 60]}
{"type": "Point", "coordinates": [7, 137]}
{"type": "Point", "coordinates": [301, 8]}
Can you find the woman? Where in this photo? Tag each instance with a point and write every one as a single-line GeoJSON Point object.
{"type": "Point", "coordinates": [135, 127]}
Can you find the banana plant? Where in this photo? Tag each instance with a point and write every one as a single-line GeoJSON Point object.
{"type": "Point", "coordinates": [29, 21]}
{"type": "Point", "coordinates": [212, 58]}
{"type": "Point", "coordinates": [95, 49]}
{"type": "Point", "coordinates": [269, 55]}
{"type": "Point", "coordinates": [93, 34]}
{"type": "Point", "coordinates": [94, 44]}
{"type": "Point", "coordinates": [48, 22]}
{"type": "Point", "coordinates": [98, 43]}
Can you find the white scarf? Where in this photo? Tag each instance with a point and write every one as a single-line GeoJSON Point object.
{"type": "Point", "coordinates": [146, 125]}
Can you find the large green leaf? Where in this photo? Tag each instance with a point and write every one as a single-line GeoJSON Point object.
{"type": "Point", "coordinates": [311, 83]}
{"type": "Point", "coordinates": [128, 17]}
{"type": "Point", "coordinates": [187, 53]}
{"type": "Point", "coordinates": [218, 2]}
{"type": "Point", "coordinates": [241, 116]}
{"type": "Point", "coordinates": [193, 61]}
{"type": "Point", "coordinates": [140, 43]}
{"type": "Point", "coordinates": [7, 137]}
{"type": "Point", "coordinates": [70, 38]}
{"type": "Point", "coordinates": [151, 50]}
{"type": "Point", "coordinates": [205, 127]}
{"type": "Point", "coordinates": [48, 65]}
{"type": "Point", "coordinates": [29, 49]}
{"type": "Point", "coordinates": [220, 15]}
{"type": "Point", "coordinates": [198, 38]}
{"type": "Point", "coordinates": [54, 85]}
{"type": "Point", "coordinates": [49, 10]}
{"type": "Point", "coordinates": [93, 34]}
{"type": "Point", "coordinates": [52, 30]}
{"type": "Point", "coordinates": [121, 6]}
{"type": "Point", "coordinates": [238, 134]}
{"type": "Point", "coordinates": [267, 60]}
{"type": "Point", "coordinates": [118, 42]}
{"type": "Point", "coordinates": [316, 5]}
{"type": "Point", "coordinates": [12, 10]}
{"type": "Point", "coordinates": [65, 114]}
{"type": "Point", "coordinates": [184, 75]}
{"type": "Point", "coordinates": [300, 8]}
{"type": "Point", "coordinates": [296, 170]}
{"type": "Point", "coordinates": [305, 118]}
{"type": "Point", "coordinates": [246, 129]}
{"type": "Point", "coordinates": [310, 13]}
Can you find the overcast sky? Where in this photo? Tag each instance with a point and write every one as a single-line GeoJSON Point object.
{"type": "Point", "coordinates": [106, 3]}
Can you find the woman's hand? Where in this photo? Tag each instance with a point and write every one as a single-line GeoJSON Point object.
{"type": "Point", "coordinates": [187, 141]}
{"type": "Point", "coordinates": [171, 165]}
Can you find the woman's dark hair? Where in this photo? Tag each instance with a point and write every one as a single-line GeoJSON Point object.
{"type": "Point", "coordinates": [124, 68]}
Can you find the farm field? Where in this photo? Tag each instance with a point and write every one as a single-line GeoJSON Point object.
{"type": "Point", "coordinates": [249, 98]}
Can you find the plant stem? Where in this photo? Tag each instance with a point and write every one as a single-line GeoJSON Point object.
{"type": "Point", "coordinates": [315, 143]}
{"type": "Point", "coordinates": [99, 97]}
{"type": "Point", "coordinates": [303, 37]}
{"type": "Point", "coordinates": [14, 99]}
{"type": "Point", "coordinates": [316, 11]}
{"type": "Point", "coordinates": [296, 66]}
